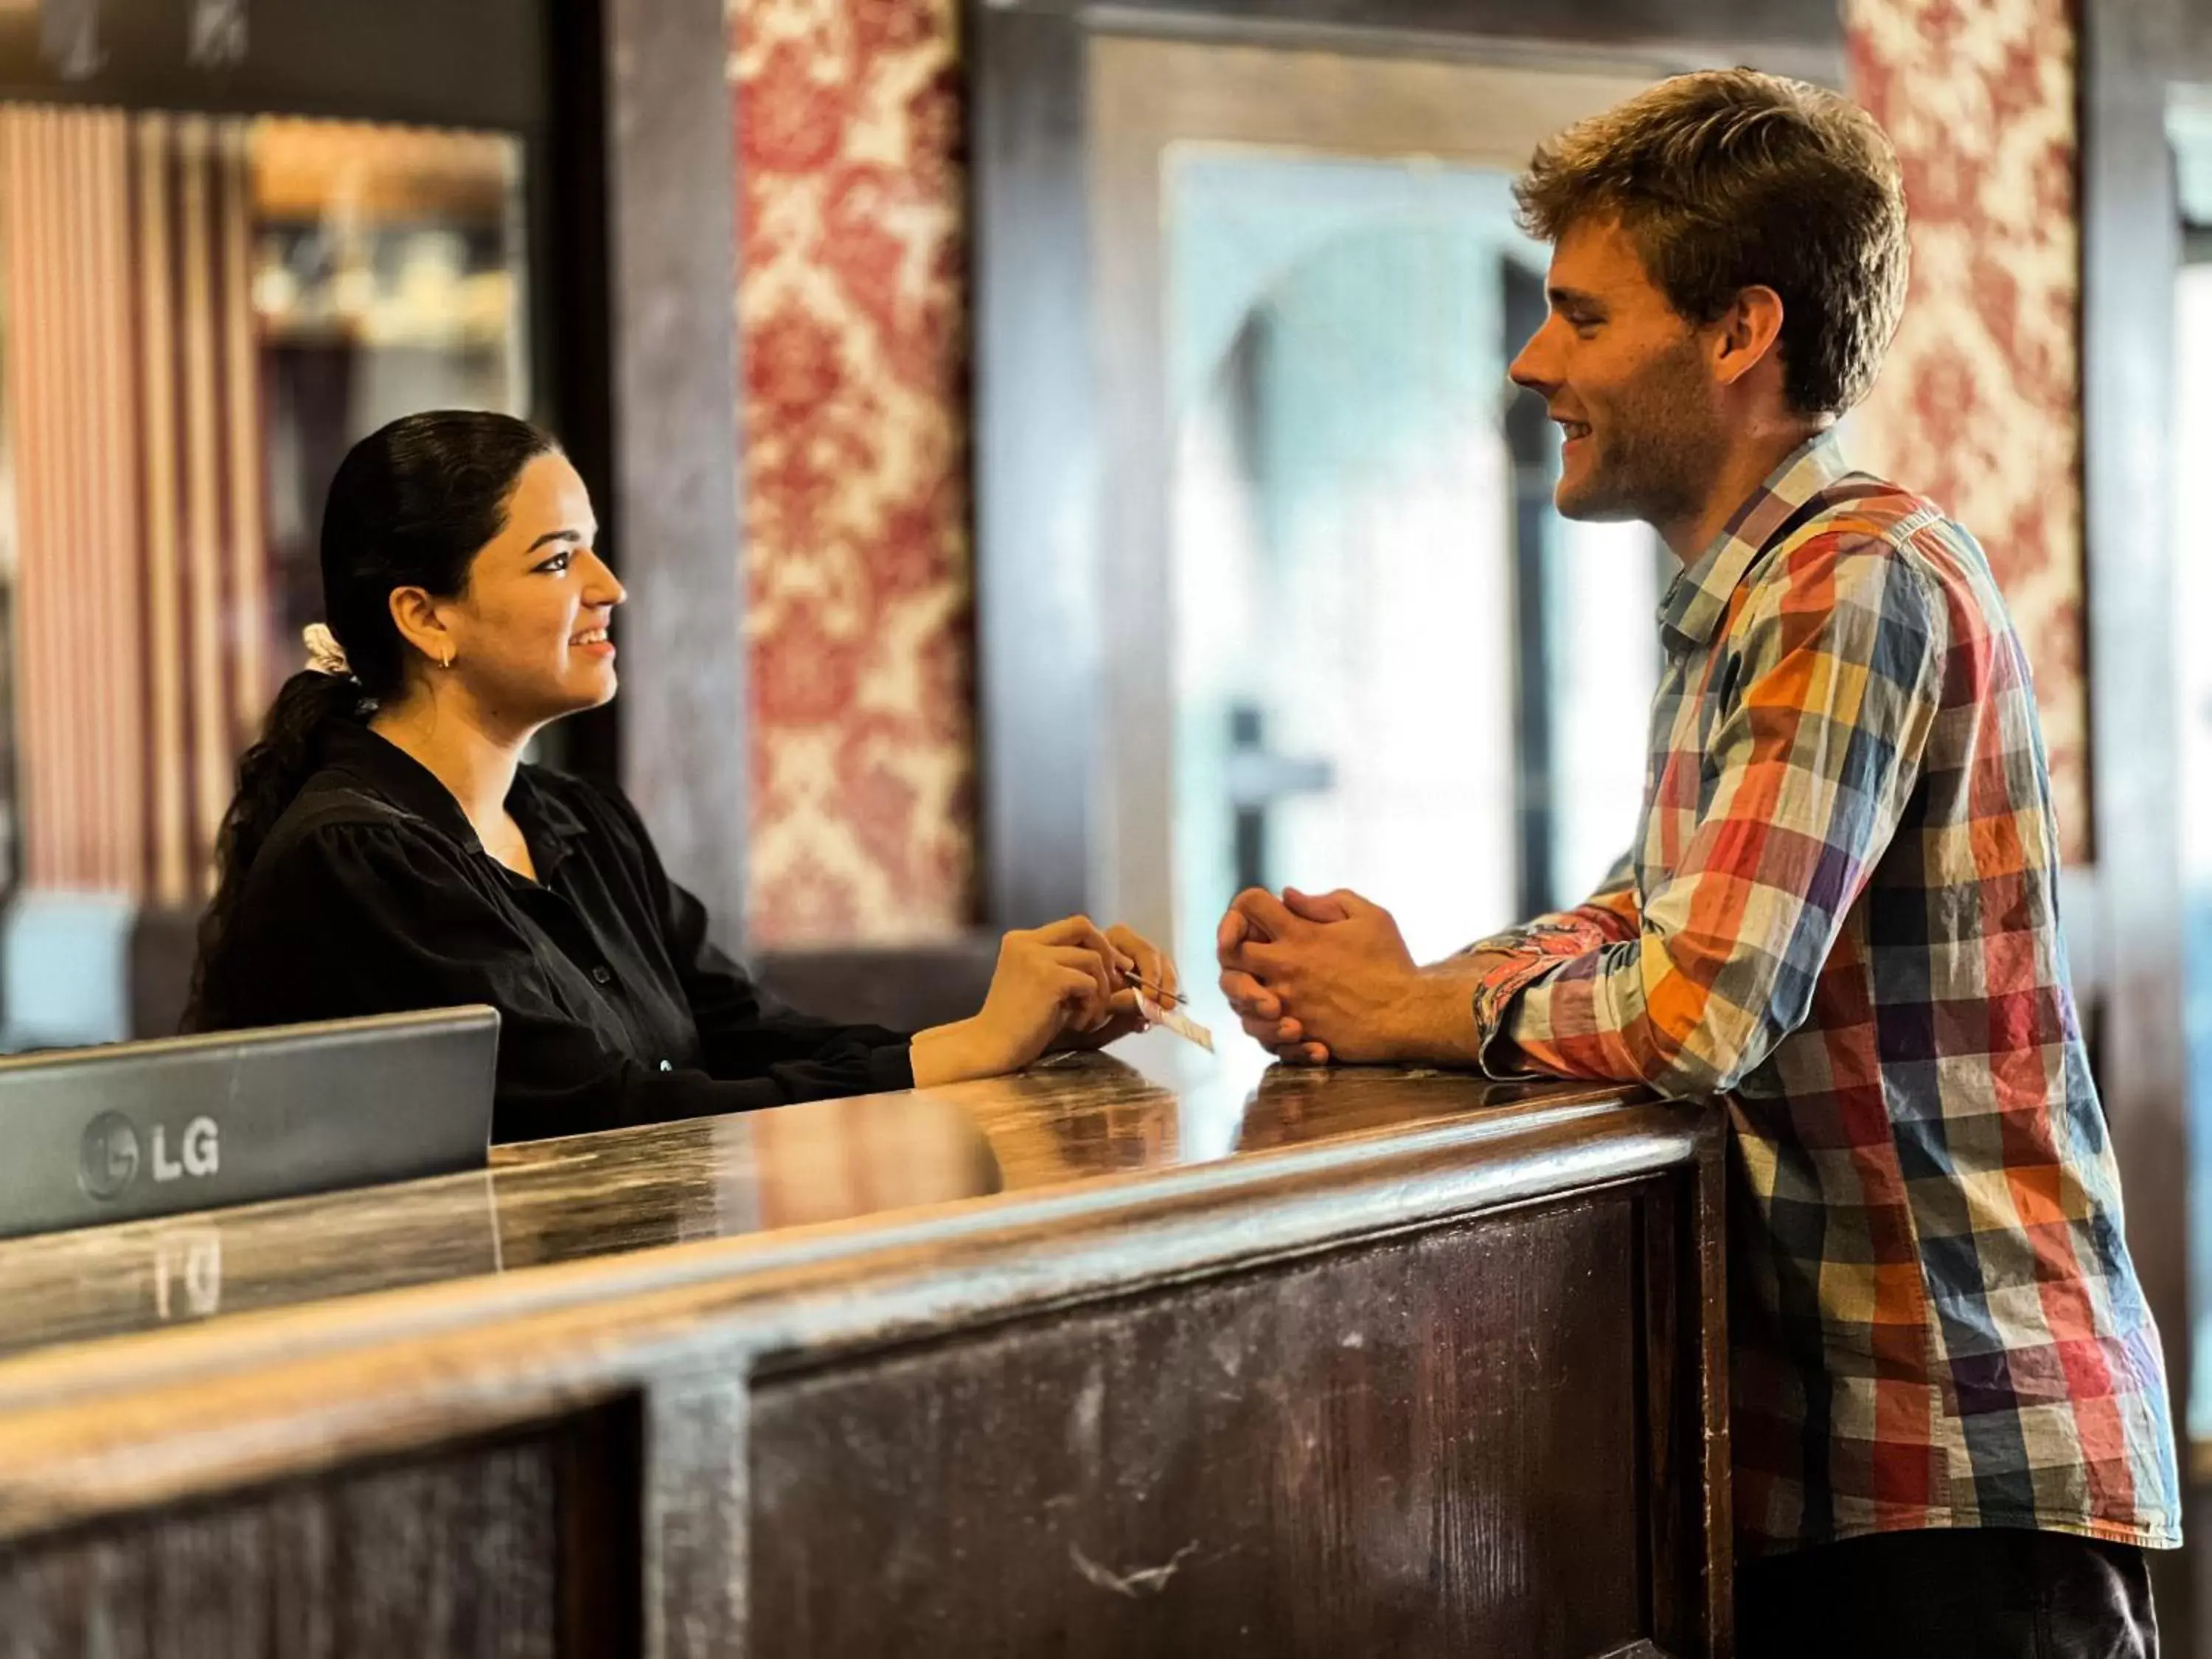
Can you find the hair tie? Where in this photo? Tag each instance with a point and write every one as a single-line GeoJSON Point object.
{"type": "Point", "coordinates": [324, 654]}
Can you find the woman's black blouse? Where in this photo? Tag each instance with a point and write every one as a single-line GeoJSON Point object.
{"type": "Point", "coordinates": [373, 895]}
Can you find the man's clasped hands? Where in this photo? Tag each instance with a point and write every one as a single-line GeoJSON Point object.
{"type": "Point", "coordinates": [1321, 977]}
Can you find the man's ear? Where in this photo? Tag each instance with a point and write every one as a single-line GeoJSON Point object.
{"type": "Point", "coordinates": [1746, 331]}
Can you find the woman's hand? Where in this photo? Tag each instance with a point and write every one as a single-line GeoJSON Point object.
{"type": "Point", "coordinates": [1124, 1018]}
{"type": "Point", "coordinates": [1051, 982]}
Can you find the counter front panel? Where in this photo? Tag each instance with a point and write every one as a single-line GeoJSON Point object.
{"type": "Point", "coordinates": [1072, 1362]}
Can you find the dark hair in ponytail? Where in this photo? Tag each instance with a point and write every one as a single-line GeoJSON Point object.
{"type": "Point", "coordinates": [411, 506]}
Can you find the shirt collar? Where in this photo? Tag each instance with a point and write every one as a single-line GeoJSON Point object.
{"type": "Point", "coordinates": [1696, 603]}
{"type": "Point", "coordinates": [547, 821]}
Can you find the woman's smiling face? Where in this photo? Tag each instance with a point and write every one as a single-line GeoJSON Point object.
{"type": "Point", "coordinates": [529, 633]}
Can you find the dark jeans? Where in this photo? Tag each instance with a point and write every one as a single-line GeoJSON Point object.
{"type": "Point", "coordinates": [1962, 1593]}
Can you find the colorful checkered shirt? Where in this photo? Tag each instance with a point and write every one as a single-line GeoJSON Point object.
{"type": "Point", "coordinates": [1841, 924]}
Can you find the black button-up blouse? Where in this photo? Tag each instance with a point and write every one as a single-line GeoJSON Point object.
{"type": "Point", "coordinates": [373, 895]}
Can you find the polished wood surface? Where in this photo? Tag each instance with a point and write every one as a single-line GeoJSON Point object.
{"type": "Point", "coordinates": [1073, 1123]}
{"type": "Point", "coordinates": [1070, 1360]}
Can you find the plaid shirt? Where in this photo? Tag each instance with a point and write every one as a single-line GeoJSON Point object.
{"type": "Point", "coordinates": [1841, 922]}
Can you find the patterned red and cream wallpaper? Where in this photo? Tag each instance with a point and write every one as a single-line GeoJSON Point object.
{"type": "Point", "coordinates": [1978, 406]}
{"type": "Point", "coordinates": [852, 315]}
{"type": "Point", "coordinates": [853, 318]}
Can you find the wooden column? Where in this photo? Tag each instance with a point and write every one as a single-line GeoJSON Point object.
{"type": "Point", "coordinates": [671, 250]}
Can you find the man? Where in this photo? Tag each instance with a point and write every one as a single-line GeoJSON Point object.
{"type": "Point", "coordinates": [1838, 925]}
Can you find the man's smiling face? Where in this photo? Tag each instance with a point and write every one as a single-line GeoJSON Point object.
{"type": "Point", "coordinates": [1627, 378]}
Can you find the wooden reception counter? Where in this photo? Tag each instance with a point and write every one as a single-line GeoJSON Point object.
{"type": "Point", "coordinates": [1373, 1363]}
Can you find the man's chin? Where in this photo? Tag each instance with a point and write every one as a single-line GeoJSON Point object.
{"type": "Point", "coordinates": [1590, 502]}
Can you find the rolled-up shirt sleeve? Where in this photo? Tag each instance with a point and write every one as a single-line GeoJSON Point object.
{"type": "Point", "coordinates": [1610, 915]}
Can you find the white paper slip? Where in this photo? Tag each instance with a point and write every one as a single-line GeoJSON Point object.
{"type": "Point", "coordinates": [1181, 1025]}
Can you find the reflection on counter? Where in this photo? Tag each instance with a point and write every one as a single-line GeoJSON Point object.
{"type": "Point", "coordinates": [1295, 1105]}
{"type": "Point", "coordinates": [1080, 1119]}
{"type": "Point", "coordinates": [106, 1281]}
{"type": "Point", "coordinates": [835, 1159]}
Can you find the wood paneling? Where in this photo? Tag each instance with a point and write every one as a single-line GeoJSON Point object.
{"type": "Point", "coordinates": [1429, 1447]}
{"type": "Point", "coordinates": [135, 421]}
{"type": "Point", "coordinates": [456, 1555]}
{"type": "Point", "coordinates": [1808, 26]}
{"type": "Point", "coordinates": [203, 549]}
{"type": "Point", "coordinates": [79, 578]}
{"type": "Point", "coordinates": [249, 685]}
{"type": "Point", "coordinates": [1036, 482]}
{"type": "Point", "coordinates": [672, 245]}
{"type": "Point", "coordinates": [172, 870]}
{"type": "Point", "coordinates": [478, 65]}
{"type": "Point", "coordinates": [696, 1499]}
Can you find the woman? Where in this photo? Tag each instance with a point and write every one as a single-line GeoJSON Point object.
{"type": "Point", "coordinates": [387, 850]}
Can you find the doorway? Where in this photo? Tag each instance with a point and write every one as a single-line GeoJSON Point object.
{"type": "Point", "coordinates": [1346, 639]}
